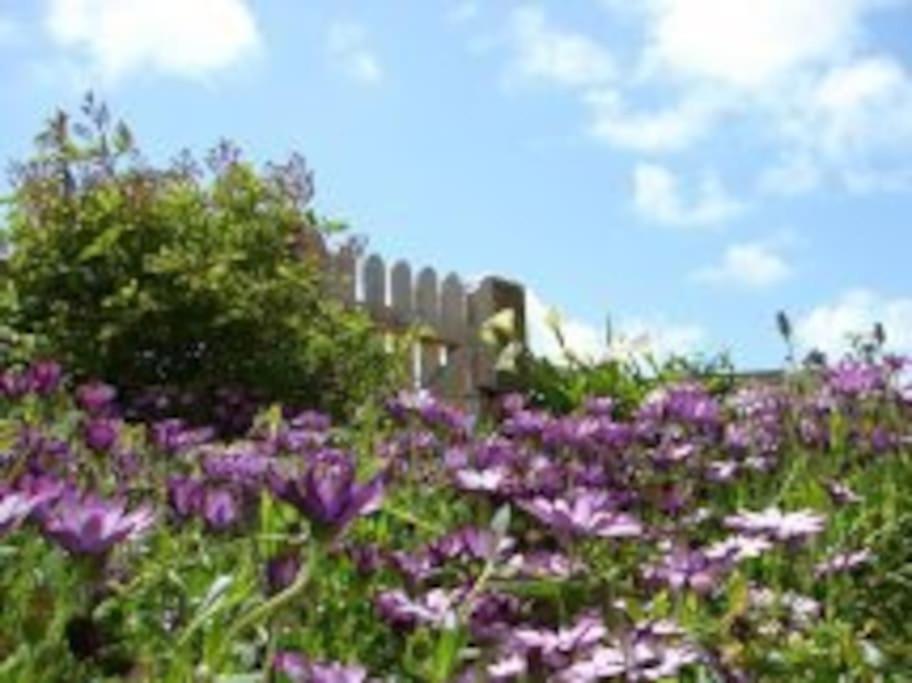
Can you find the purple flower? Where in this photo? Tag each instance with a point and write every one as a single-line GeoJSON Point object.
{"type": "Point", "coordinates": [600, 406]}
{"type": "Point", "coordinates": [436, 608]}
{"type": "Point", "coordinates": [686, 403]}
{"type": "Point", "coordinates": [14, 507]}
{"type": "Point", "coordinates": [843, 563]}
{"type": "Point", "coordinates": [491, 480]}
{"type": "Point", "coordinates": [185, 496]}
{"type": "Point", "coordinates": [299, 440]}
{"type": "Point", "coordinates": [642, 660]}
{"type": "Point", "coordinates": [431, 411]}
{"type": "Point", "coordinates": [579, 433]}
{"type": "Point", "coordinates": [44, 377]}
{"type": "Point", "coordinates": [367, 558]}
{"type": "Point", "coordinates": [737, 437]}
{"type": "Point", "coordinates": [682, 568]}
{"type": "Point", "coordinates": [13, 384]}
{"type": "Point", "coordinates": [88, 525]}
{"type": "Point", "coordinates": [327, 492]}
{"type": "Point", "coordinates": [881, 440]}
{"type": "Point", "coordinates": [542, 564]}
{"type": "Point", "coordinates": [299, 669]}
{"type": "Point", "coordinates": [801, 610]}
{"type": "Point", "coordinates": [526, 424]}
{"type": "Point", "coordinates": [311, 420]}
{"type": "Point", "coordinates": [509, 667]}
{"type": "Point", "coordinates": [42, 492]}
{"type": "Point", "coordinates": [174, 437]}
{"type": "Point", "coordinates": [757, 401]}
{"type": "Point", "coordinates": [586, 513]}
{"type": "Point", "coordinates": [101, 433]}
{"type": "Point", "coordinates": [241, 465]}
{"type": "Point", "coordinates": [557, 648]}
{"type": "Point", "coordinates": [842, 494]}
{"type": "Point", "coordinates": [95, 397]}
{"type": "Point", "coordinates": [512, 403]}
{"type": "Point", "coordinates": [41, 452]}
{"type": "Point", "coordinates": [220, 509]}
{"type": "Point", "coordinates": [469, 543]}
{"type": "Point", "coordinates": [493, 616]}
{"type": "Point", "coordinates": [673, 453]}
{"type": "Point", "coordinates": [814, 432]}
{"type": "Point", "coordinates": [415, 567]}
{"type": "Point", "coordinates": [855, 379]}
{"type": "Point", "coordinates": [722, 471]}
{"type": "Point", "coordinates": [739, 548]}
{"type": "Point", "coordinates": [281, 571]}
{"type": "Point", "coordinates": [781, 526]}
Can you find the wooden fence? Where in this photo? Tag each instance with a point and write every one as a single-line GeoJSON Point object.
{"type": "Point", "coordinates": [448, 355]}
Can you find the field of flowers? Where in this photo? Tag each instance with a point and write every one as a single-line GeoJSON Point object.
{"type": "Point", "coordinates": [763, 534]}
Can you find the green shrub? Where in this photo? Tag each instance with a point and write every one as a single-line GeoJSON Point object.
{"type": "Point", "coordinates": [192, 276]}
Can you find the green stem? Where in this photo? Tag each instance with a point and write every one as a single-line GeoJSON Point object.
{"type": "Point", "coordinates": [266, 609]}
{"type": "Point", "coordinates": [411, 519]}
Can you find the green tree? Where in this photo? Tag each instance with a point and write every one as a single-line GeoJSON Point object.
{"type": "Point", "coordinates": [194, 275]}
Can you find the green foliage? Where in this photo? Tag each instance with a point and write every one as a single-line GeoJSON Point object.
{"type": "Point", "coordinates": [178, 276]}
{"type": "Point", "coordinates": [625, 374]}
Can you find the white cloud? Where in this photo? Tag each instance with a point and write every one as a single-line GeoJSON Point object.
{"type": "Point", "coordinates": [112, 38]}
{"type": "Point", "coordinates": [674, 127]}
{"type": "Point", "coordinates": [663, 337]}
{"type": "Point", "coordinates": [658, 198]}
{"type": "Point", "coordinates": [581, 338]}
{"type": "Point", "coordinates": [749, 44]}
{"type": "Point", "coordinates": [834, 112]}
{"type": "Point", "coordinates": [754, 265]}
{"type": "Point", "coordinates": [632, 336]}
{"type": "Point", "coordinates": [348, 48]}
{"type": "Point", "coordinates": [546, 53]}
{"type": "Point", "coordinates": [856, 121]}
{"type": "Point", "coordinates": [828, 327]}
{"type": "Point", "coordinates": [800, 77]}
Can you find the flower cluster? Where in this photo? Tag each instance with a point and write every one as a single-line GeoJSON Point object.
{"type": "Point", "coordinates": [702, 535]}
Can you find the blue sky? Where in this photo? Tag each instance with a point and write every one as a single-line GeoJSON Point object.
{"type": "Point", "coordinates": [689, 166]}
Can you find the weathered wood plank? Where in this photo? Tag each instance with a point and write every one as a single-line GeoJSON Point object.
{"type": "Point", "coordinates": [375, 285]}
{"type": "Point", "coordinates": [431, 367]}
{"type": "Point", "coordinates": [427, 298]}
{"type": "Point", "coordinates": [403, 299]}
{"type": "Point", "coordinates": [453, 320]}
{"type": "Point", "coordinates": [493, 296]}
{"type": "Point", "coordinates": [457, 377]}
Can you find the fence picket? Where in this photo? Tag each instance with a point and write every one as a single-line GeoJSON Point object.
{"type": "Point", "coordinates": [453, 310]}
{"type": "Point", "coordinates": [449, 357]}
{"type": "Point", "coordinates": [403, 299]}
{"type": "Point", "coordinates": [374, 273]}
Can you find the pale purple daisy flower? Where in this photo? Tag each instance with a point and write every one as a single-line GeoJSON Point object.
{"type": "Point", "coordinates": [14, 507]}
{"type": "Point", "coordinates": [586, 513]}
{"type": "Point", "coordinates": [739, 548]}
{"type": "Point", "coordinates": [774, 523]}
{"type": "Point", "coordinates": [842, 494]}
{"type": "Point", "coordinates": [88, 525]}
{"type": "Point", "coordinates": [843, 563]}
{"type": "Point", "coordinates": [328, 493]}
{"type": "Point", "coordinates": [299, 669]}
